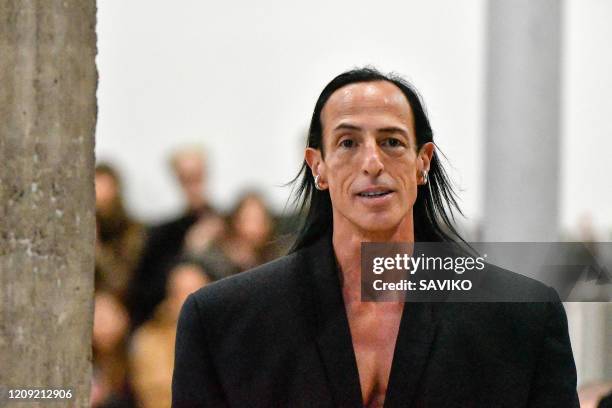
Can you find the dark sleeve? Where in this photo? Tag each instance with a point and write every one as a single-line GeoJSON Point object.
{"type": "Point", "coordinates": [554, 382]}
{"type": "Point", "coordinates": [194, 381]}
{"type": "Point", "coordinates": [147, 288]}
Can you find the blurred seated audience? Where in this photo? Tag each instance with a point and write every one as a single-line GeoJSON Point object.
{"type": "Point", "coordinates": [119, 238]}
{"type": "Point", "coordinates": [165, 242]}
{"type": "Point", "coordinates": [152, 348]}
{"type": "Point", "coordinates": [248, 240]}
{"type": "Point", "coordinates": [110, 386]}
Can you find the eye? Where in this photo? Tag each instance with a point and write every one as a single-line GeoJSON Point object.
{"type": "Point", "coordinates": [392, 142]}
{"type": "Point", "coordinates": [347, 143]}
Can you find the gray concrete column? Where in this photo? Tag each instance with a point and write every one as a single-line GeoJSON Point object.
{"type": "Point", "coordinates": [48, 84]}
{"type": "Point", "coordinates": [522, 149]}
{"type": "Point", "coordinates": [522, 131]}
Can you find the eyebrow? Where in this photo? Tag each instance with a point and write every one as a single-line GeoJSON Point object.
{"type": "Point", "coordinates": [393, 129]}
{"type": "Point", "coordinates": [346, 126]}
{"type": "Point", "coordinates": [388, 129]}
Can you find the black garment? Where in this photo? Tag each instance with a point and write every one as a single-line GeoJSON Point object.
{"type": "Point", "coordinates": [162, 249]}
{"type": "Point", "coordinates": [278, 336]}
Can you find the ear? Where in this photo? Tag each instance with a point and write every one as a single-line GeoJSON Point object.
{"type": "Point", "coordinates": [424, 160]}
{"type": "Point", "coordinates": [317, 165]}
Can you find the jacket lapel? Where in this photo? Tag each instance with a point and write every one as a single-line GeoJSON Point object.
{"type": "Point", "coordinates": [333, 336]}
{"type": "Point", "coordinates": [412, 349]}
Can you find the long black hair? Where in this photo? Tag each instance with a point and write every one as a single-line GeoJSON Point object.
{"type": "Point", "coordinates": [433, 209]}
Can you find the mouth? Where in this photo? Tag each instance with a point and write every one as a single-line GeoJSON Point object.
{"type": "Point", "coordinates": [374, 193]}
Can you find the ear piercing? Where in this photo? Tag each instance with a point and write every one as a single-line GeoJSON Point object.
{"type": "Point", "coordinates": [316, 182]}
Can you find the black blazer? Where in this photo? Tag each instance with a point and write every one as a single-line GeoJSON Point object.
{"type": "Point", "coordinates": [278, 336]}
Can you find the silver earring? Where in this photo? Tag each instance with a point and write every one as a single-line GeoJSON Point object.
{"type": "Point", "coordinates": [425, 177]}
{"type": "Point", "coordinates": [316, 181]}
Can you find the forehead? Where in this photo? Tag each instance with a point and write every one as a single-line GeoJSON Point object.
{"type": "Point", "coordinates": [381, 98]}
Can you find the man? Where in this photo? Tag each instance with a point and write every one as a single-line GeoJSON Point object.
{"type": "Point", "coordinates": [294, 332]}
{"type": "Point", "coordinates": [192, 231]}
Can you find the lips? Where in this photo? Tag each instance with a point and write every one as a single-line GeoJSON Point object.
{"type": "Point", "coordinates": [375, 192]}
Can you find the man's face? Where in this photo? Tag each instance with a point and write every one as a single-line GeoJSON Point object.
{"type": "Point", "coordinates": [370, 165]}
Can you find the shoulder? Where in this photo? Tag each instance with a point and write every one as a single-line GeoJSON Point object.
{"type": "Point", "coordinates": [255, 291]}
{"type": "Point", "coordinates": [524, 301]}
{"type": "Point", "coordinates": [239, 317]}
{"type": "Point", "coordinates": [508, 304]}
{"type": "Point", "coordinates": [506, 286]}
{"type": "Point", "coordinates": [268, 275]}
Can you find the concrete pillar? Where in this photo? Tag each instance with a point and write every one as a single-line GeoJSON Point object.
{"type": "Point", "coordinates": [522, 131]}
{"type": "Point", "coordinates": [48, 83]}
{"type": "Point", "coordinates": [522, 150]}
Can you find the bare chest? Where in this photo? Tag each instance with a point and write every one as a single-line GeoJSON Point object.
{"type": "Point", "coordinates": [374, 328]}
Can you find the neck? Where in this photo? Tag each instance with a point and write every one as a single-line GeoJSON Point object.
{"type": "Point", "coordinates": [347, 239]}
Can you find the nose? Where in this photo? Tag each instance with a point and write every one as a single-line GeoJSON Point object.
{"type": "Point", "coordinates": [372, 164]}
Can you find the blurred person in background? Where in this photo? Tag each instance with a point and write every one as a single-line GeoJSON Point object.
{"type": "Point", "coordinates": [248, 238]}
{"type": "Point", "coordinates": [151, 353]}
{"type": "Point", "coordinates": [110, 388]}
{"type": "Point", "coordinates": [119, 238]}
{"type": "Point", "coordinates": [197, 227]}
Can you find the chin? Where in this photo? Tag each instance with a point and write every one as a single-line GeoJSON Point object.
{"type": "Point", "coordinates": [378, 222]}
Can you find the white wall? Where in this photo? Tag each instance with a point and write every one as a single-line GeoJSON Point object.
{"type": "Point", "coordinates": [242, 79]}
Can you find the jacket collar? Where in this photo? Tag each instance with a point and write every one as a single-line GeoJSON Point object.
{"type": "Point", "coordinates": [333, 337]}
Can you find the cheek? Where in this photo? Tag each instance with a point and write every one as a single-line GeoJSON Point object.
{"type": "Point", "coordinates": [338, 188]}
{"type": "Point", "coordinates": [406, 175]}
{"type": "Point", "coordinates": [409, 187]}
{"type": "Point", "coordinates": [339, 175]}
